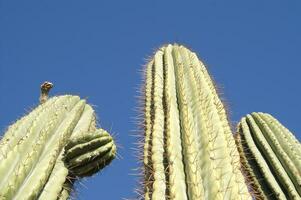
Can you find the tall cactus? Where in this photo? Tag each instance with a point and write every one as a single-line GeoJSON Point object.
{"type": "Point", "coordinates": [189, 150]}
{"type": "Point", "coordinates": [54, 143]}
{"type": "Point", "coordinates": [271, 157]}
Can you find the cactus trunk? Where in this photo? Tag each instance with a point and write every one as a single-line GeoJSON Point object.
{"type": "Point", "coordinates": [32, 154]}
{"type": "Point", "coordinates": [271, 157]}
{"type": "Point", "coordinates": [189, 150]}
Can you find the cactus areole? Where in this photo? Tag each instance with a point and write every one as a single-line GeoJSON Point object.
{"type": "Point", "coordinates": [43, 152]}
{"type": "Point", "coordinates": [189, 149]}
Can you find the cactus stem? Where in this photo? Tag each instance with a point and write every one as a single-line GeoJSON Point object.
{"type": "Point", "coordinates": [189, 150]}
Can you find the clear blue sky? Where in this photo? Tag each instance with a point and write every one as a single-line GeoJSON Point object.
{"type": "Point", "coordinates": [96, 49]}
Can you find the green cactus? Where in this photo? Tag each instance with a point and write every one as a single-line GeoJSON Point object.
{"type": "Point", "coordinates": [189, 149]}
{"type": "Point", "coordinates": [43, 153]}
{"type": "Point", "coordinates": [271, 157]}
{"type": "Point", "coordinates": [80, 152]}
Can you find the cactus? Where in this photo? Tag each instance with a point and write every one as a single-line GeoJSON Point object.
{"type": "Point", "coordinates": [43, 153]}
{"type": "Point", "coordinates": [189, 149]}
{"type": "Point", "coordinates": [79, 152]}
{"type": "Point", "coordinates": [271, 157]}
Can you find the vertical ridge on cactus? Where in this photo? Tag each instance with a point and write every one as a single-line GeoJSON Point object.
{"type": "Point", "coordinates": [33, 150]}
{"type": "Point", "coordinates": [189, 150]}
{"type": "Point", "coordinates": [53, 188]}
{"type": "Point", "coordinates": [270, 156]}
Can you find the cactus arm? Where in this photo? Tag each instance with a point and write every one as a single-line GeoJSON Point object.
{"type": "Point", "coordinates": [87, 143]}
{"type": "Point", "coordinates": [90, 154]}
{"type": "Point", "coordinates": [101, 158]}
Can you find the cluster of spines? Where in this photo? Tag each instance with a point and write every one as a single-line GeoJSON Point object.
{"type": "Point", "coordinates": [270, 156]}
{"type": "Point", "coordinates": [189, 150]}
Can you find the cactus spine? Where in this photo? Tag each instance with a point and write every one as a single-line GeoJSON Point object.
{"type": "Point", "coordinates": [34, 162]}
{"type": "Point", "coordinates": [271, 157]}
{"type": "Point", "coordinates": [189, 150]}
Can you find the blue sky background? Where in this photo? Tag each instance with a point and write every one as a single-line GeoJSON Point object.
{"type": "Point", "coordinates": [96, 49]}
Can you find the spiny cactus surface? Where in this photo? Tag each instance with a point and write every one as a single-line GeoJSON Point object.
{"type": "Point", "coordinates": [80, 153]}
{"type": "Point", "coordinates": [33, 162]}
{"type": "Point", "coordinates": [189, 150]}
{"type": "Point", "coordinates": [271, 157]}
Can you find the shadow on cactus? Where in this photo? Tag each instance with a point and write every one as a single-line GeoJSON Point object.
{"type": "Point", "coordinates": [46, 151]}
